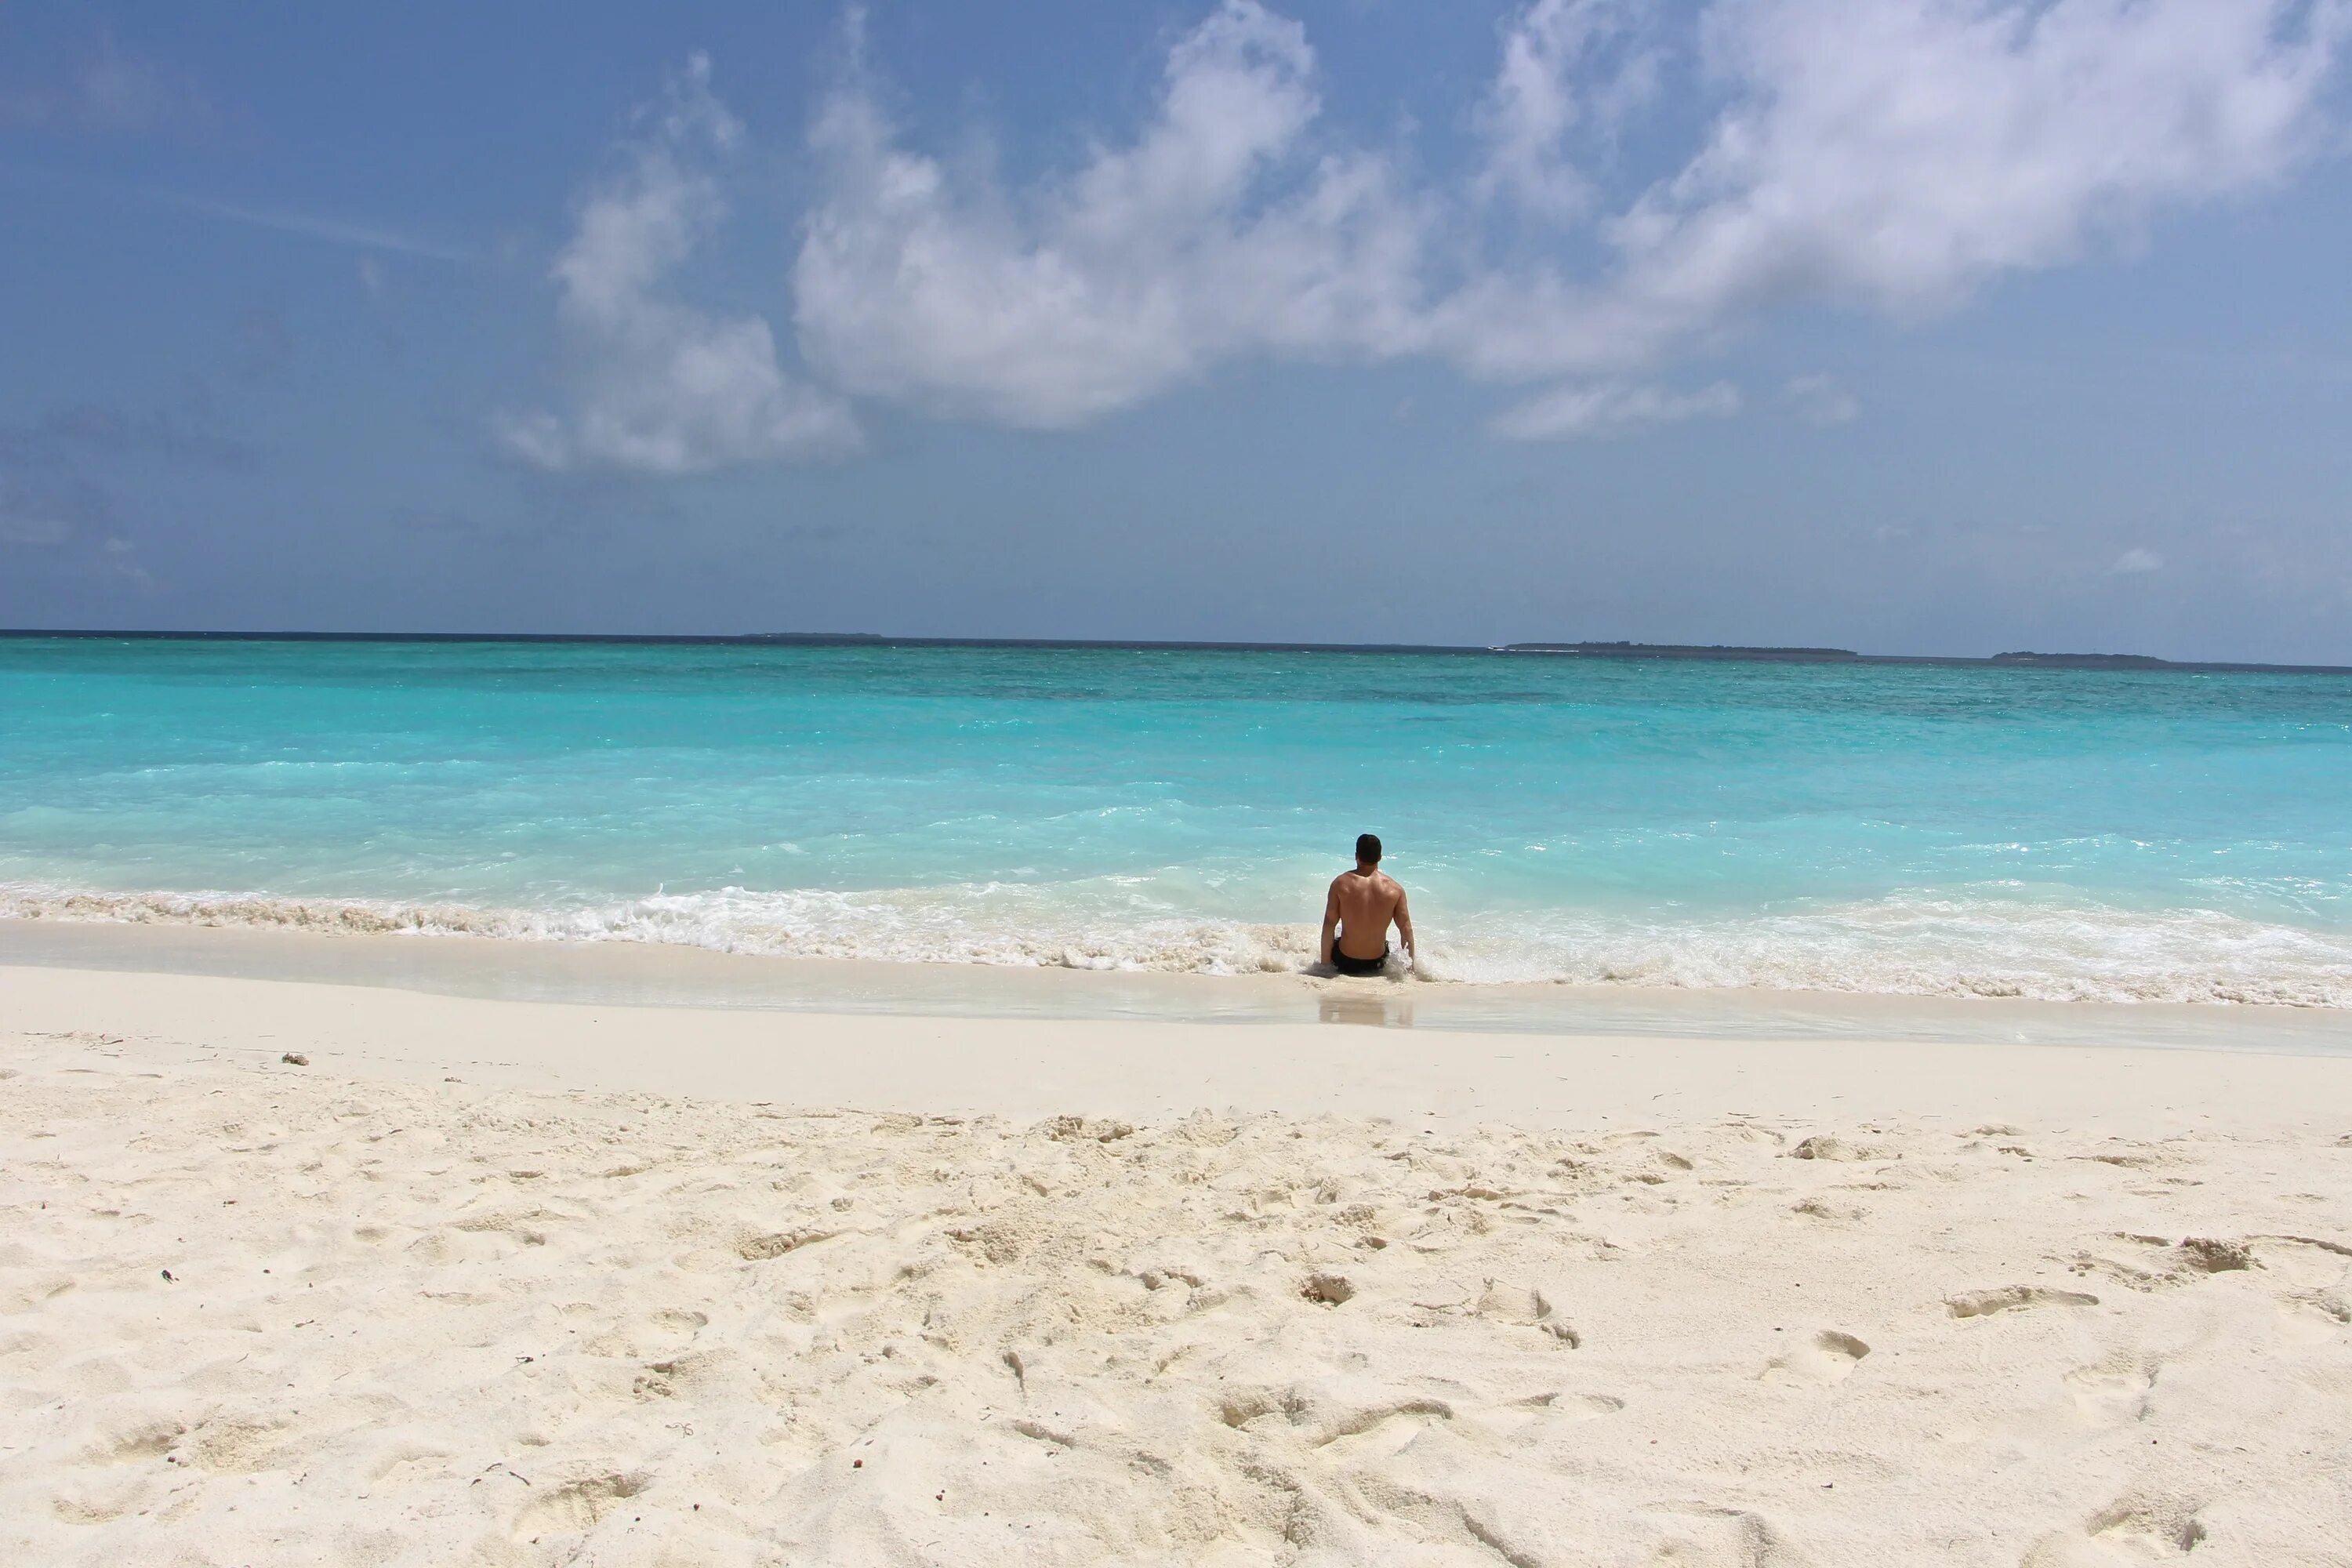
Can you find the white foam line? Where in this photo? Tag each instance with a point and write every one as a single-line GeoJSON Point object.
{"type": "Point", "coordinates": [1897, 946]}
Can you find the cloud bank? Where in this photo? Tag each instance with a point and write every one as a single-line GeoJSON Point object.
{"type": "Point", "coordinates": [1894, 157]}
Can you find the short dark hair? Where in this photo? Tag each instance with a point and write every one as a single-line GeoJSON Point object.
{"type": "Point", "coordinates": [1367, 849]}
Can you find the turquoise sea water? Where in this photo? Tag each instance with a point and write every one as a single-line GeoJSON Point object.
{"type": "Point", "coordinates": [1897, 829]}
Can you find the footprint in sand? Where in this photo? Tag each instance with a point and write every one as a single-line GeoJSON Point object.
{"type": "Point", "coordinates": [1358, 1434]}
{"type": "Point", "coordinates": [1554, 1408]}
{"type": "Point", "coordinates": [1720, 1538]}
{"type": "Point", "coordinates": [408, 1465]}
{"type": "Point", "coordinates": [1825, 1146]}
{"type": "Point", "coordinates": [2316, 1276]}
{"type": "Point", "coordinates": [2322, 1306]}
{"type": "Point", "coordinates": [756, 1248]}
{"type": "Point", "coordinates": [2115, 1390]}
{"type": "Point", "coordinates": [2152, 1264]}
{"type": "Point", "coordinates": [86, 1502]}
{"type": "Point", "coordinates": [574, 1509]}
{"type": "Point", "coordinates": [1504, 1302]}
{"type": "Point", "coordinates": [2305, 1261]}
{"type": "Point", "coordinates": [1577, 1407]}
{"type": "Point", "coordinates": [138, 1443]}
{"type": "Point", "coordinates": [2014, 1298]}
{"type": "Point", "coordinates": [2136, 1529]}
{"type": "Point", "coordinates": [1827, 1357]}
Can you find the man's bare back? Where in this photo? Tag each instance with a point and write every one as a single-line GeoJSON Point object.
{"type": "Point", "coordinates": [1356, 914]}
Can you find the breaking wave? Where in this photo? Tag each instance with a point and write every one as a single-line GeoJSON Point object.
{"type": "Point", "coordinates": [1902, 946]}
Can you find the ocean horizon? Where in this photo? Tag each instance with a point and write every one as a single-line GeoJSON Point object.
{"type": "Point", "coordinates": [1874, 825]}
{"type": "Point", "coordinates": [1727, 653]}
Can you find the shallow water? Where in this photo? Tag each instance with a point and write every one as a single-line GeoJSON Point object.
{"type": "Point", "coordinates": [2060, 835]}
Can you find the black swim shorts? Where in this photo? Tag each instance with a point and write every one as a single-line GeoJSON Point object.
{"type": "Point", "coordinates": [1346, 965]}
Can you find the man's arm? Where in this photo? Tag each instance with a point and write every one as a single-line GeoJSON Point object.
{"type": "Point", "coordinates": [1403, 918]}
{"type": "Point", "coordinates": [1330, 922]}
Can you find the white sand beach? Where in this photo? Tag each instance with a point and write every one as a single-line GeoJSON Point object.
{"type": "Point", "coordinates": [1220, 784]}
{"type": "Point", "coordinates": [508, 1282]}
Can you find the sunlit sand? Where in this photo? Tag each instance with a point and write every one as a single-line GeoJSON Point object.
{"type": "Point", "coordinates": [504, 1281]}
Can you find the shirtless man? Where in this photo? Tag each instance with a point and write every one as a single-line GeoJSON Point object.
{"type": "Point", "coordinates": [1356, 915]}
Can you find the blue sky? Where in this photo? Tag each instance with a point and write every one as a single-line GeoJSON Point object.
{"type": "Point", "coordinates": [1907, 325]}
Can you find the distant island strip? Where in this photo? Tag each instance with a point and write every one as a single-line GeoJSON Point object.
{"type": "Point", "coordinates": [1715, 652]}
{"type": "Point", "coordinates": [2021, 660]}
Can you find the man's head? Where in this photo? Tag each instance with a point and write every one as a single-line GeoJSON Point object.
{"type": "Point", "coordinates": [1367, 849]}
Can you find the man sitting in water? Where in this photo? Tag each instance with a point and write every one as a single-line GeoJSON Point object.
{"type": "Point", "coordinates": [1356, 915]}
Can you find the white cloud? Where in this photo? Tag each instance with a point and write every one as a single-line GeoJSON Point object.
{"type": "Point", "coordinates": [1821, 402]}
{"type": "Point", "coordinates": [1900, 155]}
{"type": "Point", "coordinates": [537, 437]}
{"type": "Point", "coordinates": [662, 387]}
{"type": "Point", "coordinates": [1612, 408]}
{"type": "Point", "coordinates": [2134, 562]}
{"type": "Point", "coordinates": [1894, 157]}
{"type": "Point", "coordinates": [1565, 63]}
{"type": "Point", "coordinates": [1211, 234]}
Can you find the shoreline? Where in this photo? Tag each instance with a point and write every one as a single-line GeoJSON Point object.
{"type": "Point", "coordinates": [1898, 945]}
{"type": "Point", "coordinates": [651, 975]}
{"type": "Point", "coordinates": [2027, 953]}
{"type": "Point", "coordinates": [1161, 1069]}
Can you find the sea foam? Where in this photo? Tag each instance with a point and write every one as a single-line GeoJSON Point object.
{"type": "Point", "coordinates": [1896, 946]}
